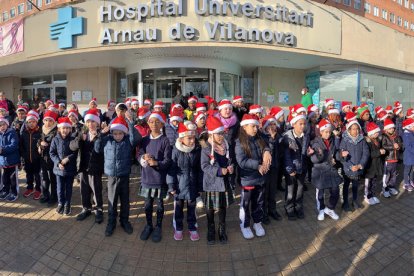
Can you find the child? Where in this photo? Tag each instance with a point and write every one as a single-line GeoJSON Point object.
{"type": "Point", "coordinates": [218, 167]}
{"type": "Point", "coordinates": [49, 131]}
{"type": "Point", "coordinates": [408, 139]}
{"type": "Point", "coordinates": [182, 179]}
{"type": "Point", "coordinates": [155, 159]}
{"type": "Point", "coordinates": [91, 167]}
{"type": "Point", "coordinates": [171, 128]}
{"type": "Point", "coordinates": [239, 107]}
{"type": "Point", "coordinates": [64, 160]}
{"type": "Point", "coordinates": [269, 132]}
{"type": "Point", "coordinates": [117, 147]}
{"type": "Point", "coordinates": [9, 160]}
{"type": "Point", "coordinates": [74, 119]}
{"type": "Point", "coordinates": [191, 109]}
{"type": "Point", "coordinates": [354, 155]}
{"type": "Point", "coordinates": [20, 118]}
{"type": "Point", "coordinates": [295, 144]}
{"type": "Point", "coordinates": [32, 160]}
{"type": "Point", "coordinates": [250, 151]}
{"type": "Point", "coordinates": [392, 143]}
{"type": "Point", "coordinates": [375, 164]}
{"type": "Point", "coordinates": [142, 125]}
{"type": "Point", "coordinates": [325, 174]}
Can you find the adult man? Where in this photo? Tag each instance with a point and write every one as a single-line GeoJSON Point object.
{"type": "Point", "coordinates": [306, 97]}
{"type": "Point", "coordinates": [9, 104]}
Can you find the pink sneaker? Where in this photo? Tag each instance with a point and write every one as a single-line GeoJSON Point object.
{"type": "Point", "coordinates": [194, 236]}
{"type": "Point", "coordinates": [178, 235]}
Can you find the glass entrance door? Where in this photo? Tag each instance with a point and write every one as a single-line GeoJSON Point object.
{"type": "Point", "coordinates": [166, 90]}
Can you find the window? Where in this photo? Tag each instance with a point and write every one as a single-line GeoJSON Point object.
{"type": "Point", "coordinates": [5, 16]}
{"type": "Point", "coordinates": [367, 7]}
{"type": "Point", "coordinates": [47, 2]}
{"type": "Point", "coordinates": [29, 6]}
{"type": "Point", "coordinates": [407, 4]}
{"type": "Point", "coordinates": [400, 2]}
{"type": "Point", "coordinates": [412, 6]}
{"type": "Point", "coordinates": [347, 2]}
{"type": "Point", "coordinates": [399, 21]}
{"type": "Point", "coordinates": [40, 2]}
{"type": "Point", "coordinates": [20, 8]}
{"type": "Point", "coordinates": [412, 27]}
{"type": "Point", "coordinates": [12, 12]}
{"type": "Point", "coordinates": [376, 11]}
{"type": "Point", "coordinates": [392, 17]}
{"type": "Point", "coordinates": [405, 24]}
{"type": "Point", "coordinates": [357, 4]}
{"type": "Point", "coordinates": [384, 14]}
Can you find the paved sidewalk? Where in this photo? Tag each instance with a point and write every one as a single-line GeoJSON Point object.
{"type": "Point", "coordinates": [376, 240]}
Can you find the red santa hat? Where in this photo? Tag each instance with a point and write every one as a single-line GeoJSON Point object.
{"type": "Point", "coordinates": [410, 113]}
{"type": "Point", "coordinates": [22, 108]}
{"type": "Point", "coordinates": [4, 120]}
{"type": "Point", "coordinates": [200, 107]}
{"type": "Point", "coordinates": [74, 113]}
{"type": "Point", "coordinates": [192, 99]}
{"type": "Point", "coordinates": [277, 112]}
{"type": "Point", "coordinates": [323, 124]}
{"type": "Point", "coordinates": [33, 115]}
{"type": "Point", "coordinates": [62, 105]}
{"type": "Point", "coordinates": [92, 115]}
{"type": "Point", "coordinates": [147, 102]}
{"type": "Point", "coordinates": [388, 123]}
{"type": "Point", "coordinates": [296, 109]}
{"type": "Point", "coordinates": [93, 101]}
{"type": "Point", "coordinates": [64, 122]}
{"type": "Point", "coordinates": [350, 116]}
{"type": "Point", "coordinates": [49, 102]}
{"type": "Point", "coordinates": [363, 105]}
{"type": "Point", "coordinates": [224, 103]}
{"type": "Point", "coordinates": [199, 116]}
{"type": "Point", "coordinates": [408, 123]}
{"type": "Point", "coordinates": [312, 109]}
{"type": "Point", "coordinates": [372, 128]}
{"type": "Point", "coordinates": [50, 115]}
{"type": "Point", "coordinates": [119, 123]}
{"type": "Point", "coordinates": [187, 128]}
{"type": "Point", "coordinates": [134, 101]}
{"type": "Point", "coordinates": [54, 108]}
{"type": "Point", "coordinates": [158, 115]}
{"type": "Point", "coordinates": [397, 110]}
{"type": "Point", "coordinates": [177, 115]}
{"type": "Point", "coordinates": [214, 125]}
{"type": "Point", "coordinates": [353, 122]}
{"type": "Point", "coordinates": [237, 99]}
{"type": "Point", "coordinates": [346, 104]}
{"type": "Point", "coordinates": [159, 104]}
{"type": "Point", "coordinates": [249, 119]}
{"type": "Point", "coordinates": [267, 120]}
{"type": "Point", "coordinates": [398, 105]}
{"type": "Point", "coordinates": [174, 106]}
{"type": "Point", "coordinates": [211, 112]}
{"type": "Point", "coordinates": [388, 109]}
{"type": "Point", "coordinates": [111, 102]}
{"type": "Point", "coordinates": [378, 109]}
{"type": "Point", "coordinates": [127, 101]}
{"type": "Point", "coordinates": [333, 111]}
{"type": "Point", "coordinates": [255, 108]}
{"type": "Point", "coordinates": [382, 115]}
{"type": "Point", "coordinates": [143, 113]}
{"type": "Point", "coordinates": [211, 101]}
{"type": "Point", "coordinates": [329, 102]}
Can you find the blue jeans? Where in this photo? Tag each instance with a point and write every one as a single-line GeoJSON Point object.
{"type": "Point", "coordinates": [64, 189]}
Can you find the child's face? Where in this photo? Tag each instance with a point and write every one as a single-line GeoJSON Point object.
{"type": "Point", "coordinates": [48, 122]}
{"type": "Point", "coordinates": [226, 112]}
{"type": "Point", "coordinates": [390, 131]}
{"type": "Point", "coordinates": [354, 130]}
{"type": "Point", "coordinates": [188, 141]}
{"type": "Point", "coordinates": [31, 124]}
{"type": "Point", "coordinates": [272, 127]}
{"type": "Point", "coordinates": [218, 138]}
{"type": "Point", "coordinates": [299, 126]}
{"type": "Point", "coordinates": [281, 119]}
{"type": "Point", "coordinates": [374, 136]}
{"type": "Point", "coordinates": [21, 115]}
{"type": "Point", "coordinates": [251, 129]}
{"type": "Point", "coordinates": [65, 131]}
{"type": "Point", "coordinates": [201, 122]}
{"type": "Point", "coordinates": [120, 112]}
{"type": "Point", "coordinates": [135, 106]}
{"type": "Point", "coordinates": [73, 119]}
{"type": "Point", "coordinates": [118, 135]}
{"type": "Point", "coordinates": [239, 104]}
{"type": "Point", "coordinates": [158, 109]}
{"type": "Point", "coordinates": [365, 117]}
{"type": "Point", "coordinates": [155, 125]}
{"type": "Point", "coordinates": [326, 133]}
{"type": "Point", "coordinates": [61, 108]}
{"type": "Point", "coordinates": [401, 114]}
{"type": "Point", "coordinates": [175, 123]}
{"type": "Point", "coordinates": [3, 127]}
{"type": "Point", "coordinates": [3, 112]}
{"type": "Point", "coordinates": [191, 105]}
{"type": "Point", "coordinates": [346, 109]}
{"type": "Point", "coordinates": [91, 125]}
{"type": "Point", "coordinates": [259, 115]}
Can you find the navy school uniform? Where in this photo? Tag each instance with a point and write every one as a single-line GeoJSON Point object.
{"type": "Point", "coordinates": [375, 165]}
{"type": "Point", "coordinates": [408, 157]}
{"type": "Point", "coordinates": [32, 159]}
{"type": "Point", "coordinates": [49, 184]}
{"type": "Point", "coordinates": [9, 161]}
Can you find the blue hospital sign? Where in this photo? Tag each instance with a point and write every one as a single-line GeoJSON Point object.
{"type": "Point", "coordinates": [66, 27]}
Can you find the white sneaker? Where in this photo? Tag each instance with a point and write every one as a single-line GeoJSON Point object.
{"type": "Point", "coordinates": [321, 215]}
{"type": "Point", "coordinates": [331, 213]}
{"type": "Point", "coordinates": [370, 201]}
{"type": "Point", "coordinates": [258, 228]}
{"type": "Point", "coordinates": [199, 203]}
{"type": "Point", "coordinates": [394, 191]}
{"type": "Point", "coordinates": [247, 232]}
{"type": "Point", "coordinates": [386, 194]}
{"type": "Point", "coordinates": [376, 200]}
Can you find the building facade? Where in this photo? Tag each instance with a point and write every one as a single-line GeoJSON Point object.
{"type": "Point", "coordinates": [263, 50]}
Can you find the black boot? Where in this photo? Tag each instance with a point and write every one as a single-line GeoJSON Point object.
{"type": "Point", "coordinates": [275, 215]}
{"type": "Point", "coordinates": [110, 227]}
{"type": "Point", "coordinates": [157, 233]}
{"type": "Point", "coordinates": [99, 216]}
{"type": "Point", "coordinates": [211, 227]}
{"type": "Point", "coordinates": [266, 220]}
{"type": "Point", "coordinates": [222, 233]}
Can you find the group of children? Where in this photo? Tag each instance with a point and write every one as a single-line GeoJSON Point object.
{"type": "Point", "coordinates": [199, 154]}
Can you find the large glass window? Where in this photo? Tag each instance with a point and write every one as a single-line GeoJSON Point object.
{"type": "Point", "coordinates": [121, 86]}
{"type": "Point", "coordinates": [29, 6]}
{"type": "Point", "coordinates": [132, 85]}
{"type": "Point", "coordinates": [20, 8]}
{"type": "Point", "coordinates": [12, 12]}
{"type": "Point", "coordinates": [197, 86]}
{"type": "Point", "coordinates": [357, 4]}
{"type": "Point", "coordinates": [376, 11]}
{"type": "Point", "coordinates": [367, 7]}
{"type": "Point", "coordinates": [228, 86]}
{"type": "Point", "coordinates": [247, 89]}
{"type": "Point", "coordinates": [60, 95]}
{"type": "Point", "coordinates": [341, 86]}
{"type": "Point", "coordinates": [347, 2]}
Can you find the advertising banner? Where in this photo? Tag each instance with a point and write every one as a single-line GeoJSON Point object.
{"type": "Point", "coordinates": [11, 38]}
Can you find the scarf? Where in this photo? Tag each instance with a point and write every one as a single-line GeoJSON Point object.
{"type": "Point", "coordinates": [47, 130]}
{"type": "Point", "coordinates": [228, 122]}
{"type": "Point", "coordinates": [221, 149]}
{"type": "Point", "coordinates": [181, 147]}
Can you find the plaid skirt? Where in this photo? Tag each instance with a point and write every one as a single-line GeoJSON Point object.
{"type": "Point", "coordinates": [154, 192]}
{"type": "Point", "coordinates": [218, 200]}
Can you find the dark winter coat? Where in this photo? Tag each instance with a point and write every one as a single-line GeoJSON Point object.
{"type": "Point", "coordinates": [294, 152]}
{"type": "Point", "coordinates": [325, 170]}
{"type": "Point", "coordinates": [44, 153]}
{"type": "Point", "coordinates": [91, 162]}
{"type": "Point", "coordinates": [358, 154]}
{"type": "Point", "coordinates": [118, 154]}
{"type": "Point", "coordinates": [408, 139]}
{"type": "Point", "coordinates": [275, 149]}
{"type": "Point", "coordinates": [59, 150]}
{"type": "Point", "coordinates": [9, 145]}
{"type": "Point", "coordinates": [388, 144]}
{"type": "Point", "coordinates": [183, 174]}
{"type": "Point", "coordinates": [28, 145]}
{"type": "Point", "coordinates": [18, 125]}
{"type": "Point", "coordinates": [213, 180]}
{"type": "Point", "coordinates": [399, 126]}
{"type": "Point", "coordinates": [375, 165]}
{"type": "Point", "coordinates": [171, 133]}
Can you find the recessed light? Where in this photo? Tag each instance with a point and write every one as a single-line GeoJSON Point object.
{"type": "Point", "coordinates": [170, 71]}
{"type": "Point", "coordinates": [150, 74]}
{"type": "Point", "coordinates": [147, 76]}
{"type": "Point", "coordinates": [195, 71]}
